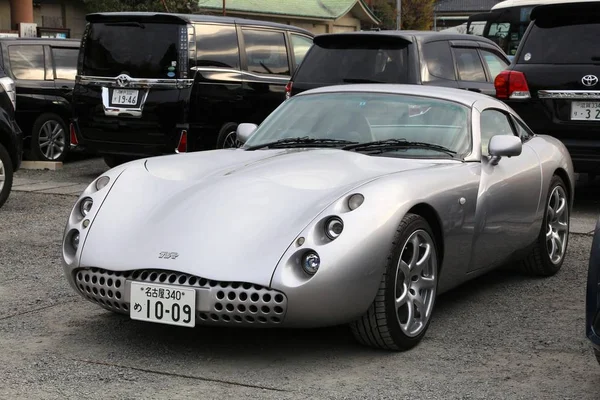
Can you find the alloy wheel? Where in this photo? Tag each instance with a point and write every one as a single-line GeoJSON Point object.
{"type": "Point", "coordinates": [416, 283]}
{"type": "Point", "coordinates": [2, 175]}
{"type": "Point", "coordinates": [557, 216]}
{"type": "Point", "coordinates": [52, 140]}
{"type": "Point", "coordinates": [230, 140]}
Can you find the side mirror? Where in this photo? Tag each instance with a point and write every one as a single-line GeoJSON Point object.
{"type": "Point", "coordinates": [244, 131]}
{"type": "Point", "coordinates": [504, 146]}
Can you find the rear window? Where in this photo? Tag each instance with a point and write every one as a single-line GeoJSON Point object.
{"type": "Point", "coordinates": [140, 50]}
{"type": "Point", "coordinates": [355, 61]}
{"type": "Point", "coordinates": [562, 41]}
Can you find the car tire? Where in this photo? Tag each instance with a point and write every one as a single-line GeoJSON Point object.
{"type": "Point", "coordinates": [6, 175]}
{"type": "Point", "coordinates": [386, 324]}
{"type": "Point", "coordinates": [43, 129]}
{"type": "Point", "coordinates": [227, 136]}
{"type": "Point", "coordinates": [540, 261]}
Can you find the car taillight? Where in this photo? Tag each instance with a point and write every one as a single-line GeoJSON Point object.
{"type": "Point", "coordinates": [511, 85]}
{"type": "Point", "coordinates": [74, 140]}
{"type": "Point", "coordinates": [288, 90]}
{"type": "Point", "coordinates": [182, 146]}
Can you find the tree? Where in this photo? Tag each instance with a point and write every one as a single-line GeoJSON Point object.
{"type": "Point", "coordinates": [417, 14]}
{"type": "Point", "coordinates": [176, 6]}
{"type": "Point", "coordinates": [384, 11]}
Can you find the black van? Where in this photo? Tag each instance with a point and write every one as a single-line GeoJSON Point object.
{"type": "Point", "coordinates": [43, 70]}
{"type": "Point", "coordinates": [159, 83]}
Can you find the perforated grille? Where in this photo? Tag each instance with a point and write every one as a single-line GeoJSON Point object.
{"type": "Point", "coordinates": [224, 302]}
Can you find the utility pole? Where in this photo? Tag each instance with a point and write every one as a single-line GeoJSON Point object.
{"type": "Point", "coordinates": [399, 14]}
{"type": "Point", "coordinates": [224, 7]}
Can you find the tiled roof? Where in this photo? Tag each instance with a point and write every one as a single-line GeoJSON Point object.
{"type": "Point", "coordinates": [319, 9]}
{"type": "Point", "coordinates": [465, 5]}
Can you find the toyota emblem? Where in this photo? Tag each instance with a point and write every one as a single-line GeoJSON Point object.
{"type": "Point", "coordinates": [589, 80]}
{"type": "Point", "coordinates": [123, 80]}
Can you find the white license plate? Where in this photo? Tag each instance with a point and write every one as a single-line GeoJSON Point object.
{"type": "Point", "coordinates": [163, 304]}
{"type": "Point", "coordinates": [125, 97]}
{"type": "Point", "coordinates": [585, 110]}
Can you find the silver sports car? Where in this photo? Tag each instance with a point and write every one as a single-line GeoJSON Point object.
{"type": "Point", "coordinates": [354, 204]}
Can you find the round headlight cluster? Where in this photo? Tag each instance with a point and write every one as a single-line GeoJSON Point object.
{"type": "Point", "coordinates": [86, 206]}
{"type": "Point", "coordinates": [355, 201]}
{"type": "Point", "coordinates": [333, 227]}
{"type": "Point", "coordinates": [75, 240]}
{"type": "Point", "coordinates": [102, 182]}
{"type": "Point", "coordinates": [311, 263]}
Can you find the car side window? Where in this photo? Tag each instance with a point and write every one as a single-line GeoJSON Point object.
{"type": "Point", "coordinates": [217, 46]}
{"type": "Point", "coordinates": [493, 122]}
{"type": "Point", "coordinates": [439, 60]}
{"type": "Point", "coordinates": [27, 62]}
{"type": "Point", "coordinates": [300, 46]}
{"type": "Point", "coordinates": [266, 52]}
{"type": "Point", "coordinates": [65, 62]}
{"type": "Point", "coordinates": [494, 63]}
{"type": "Point", "coordinates": [522, 130]}
{"type": "Point", "coordinates": [469, 65]}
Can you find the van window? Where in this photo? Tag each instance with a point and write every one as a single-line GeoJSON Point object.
{"type": "Point", "coordinates": [355, 61]}
{"type": "Point", "coordinates": [217, 46]}
{"type": "Point", "coordinates": [27, 62]}
{"type": "Point", "coordinates": [494, 63]}
{"type": "Point", "coordinates": [65, 62]}
{"type": "Point", "coordinates": [439, 59]}
{"type": "Point", "coordinates": [469, 65]}
{"type": "Point", "coordinates": [300, 44]}
{"type": "Point", "coordinates": [266, 52]}
{"type": "Point", "coordinates": [141, 50]}
{"type": "Point", "coordinates": [572, 40]}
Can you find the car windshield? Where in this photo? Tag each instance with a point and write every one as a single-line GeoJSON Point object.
{"type": "Point", "coordinates": [361, 118]}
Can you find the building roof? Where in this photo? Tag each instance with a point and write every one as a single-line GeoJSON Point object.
{"type": "Point", "coordinates": [311, 9]}
{"type": "Point", "coordinates": [465, 5]}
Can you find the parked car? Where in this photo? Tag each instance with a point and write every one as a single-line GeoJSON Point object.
{"type": "Point", "coordinates": [415, 57]}
{"type": "Point", "coordinates": [351, 204]}
{"type": "Point", "coordinates": [44, 72]}
{"type": "Point", "coordinates": [11, 139]}
{"type": "Point", "coordinates": [152, 84]}
{"type": "Point", "coordinates": [553, 81]}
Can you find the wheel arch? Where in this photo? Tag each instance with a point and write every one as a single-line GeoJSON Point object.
{"type": "Point", "coordinates": [562, 174]}
{"type": "Point", "coordinates": [433, 219]}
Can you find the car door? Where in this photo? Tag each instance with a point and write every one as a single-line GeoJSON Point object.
{"type": "Point", "coordinates": [266, 66]}
{"type": "Point", "coordinates": [64, 61]}
{"type": "Point", "coordinates": [509, 196]}
{"type": "Point", "coordinates": [469, 66]}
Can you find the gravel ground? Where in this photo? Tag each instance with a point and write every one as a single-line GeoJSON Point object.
{"type": "Point", "coordinates": [502, 336]}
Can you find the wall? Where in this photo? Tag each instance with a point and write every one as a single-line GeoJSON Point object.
{"type": "Point", "coordinates": [347, 23]}
{"type": "Point", "coordinates": [49, 14]}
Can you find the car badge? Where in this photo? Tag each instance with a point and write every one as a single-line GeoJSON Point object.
{"type": "Point", "coordinates": [589, 80]}
{"type": "Point", "coordinates": [123, 80]}
{"type": "Point", "coordinates": [168, 255]}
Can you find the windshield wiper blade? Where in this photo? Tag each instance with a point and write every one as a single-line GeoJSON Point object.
{"type": "Point", "coordinates": [302, 141]}
{"type": "Point", "coordinates": [396, 144]}
{"type": "Point", "coordinates": [360, 80]}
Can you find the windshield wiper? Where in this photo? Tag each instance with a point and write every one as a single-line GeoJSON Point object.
{"type": "Point", "coordinates": [302, 141]}
{"type": "Point", "coordinates": [360, 80]}
{"type": "Point", "coordinates": [381, 146]}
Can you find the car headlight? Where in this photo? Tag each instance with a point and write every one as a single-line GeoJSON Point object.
{"type": "Point", "coordinates": [333, 227]}
{"type": "Point", "coordinates": [102, 182]}
{"type": "Point", "coordinates": [311, 263]}
{"type": "Point", "coordinates": [85, 206]}
{"type": "Point", "coordinates": [355, 201]}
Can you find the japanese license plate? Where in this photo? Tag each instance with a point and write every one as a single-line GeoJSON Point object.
{"type": "Point", "coordinates": [125, 97]}
{"type": "Point", "coordinates": [163, 304]}
{"type": "Point", "coordinates": [585, 110]}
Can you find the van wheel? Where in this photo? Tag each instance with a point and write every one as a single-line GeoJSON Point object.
{"type": "Point", "coordinates": [227, 136]}
{"type": "Point", "coordinates": [6, 175]}
{"type": "Point", "coordinates": [49, 138]}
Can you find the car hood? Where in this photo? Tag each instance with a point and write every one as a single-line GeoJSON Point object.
{"type": "Point", "coordinates": [228, 214]}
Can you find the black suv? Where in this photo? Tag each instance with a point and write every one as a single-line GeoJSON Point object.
{"type": "Point", "coordinates": [44, 73]}
{"type": "Point", "coordinates": [159, 83]}
{"type": "Point", "coordinates": [11, 140]}
{"type": "Point", "coordinates": [412, 57]}
{"type": "Point", "coordinates": [553, 80]}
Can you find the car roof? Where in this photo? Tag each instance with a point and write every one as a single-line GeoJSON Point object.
{"type": "Point", "coordinates": [409, 35]}
{"type": "Point", "coordinates": [588, 8]}
{"type": "Point", "coordinates": [188, 18]}
{"type": "Point", "coordinates": [461, 96]}
{"type": "Point", "coordinates": [47, 41]}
